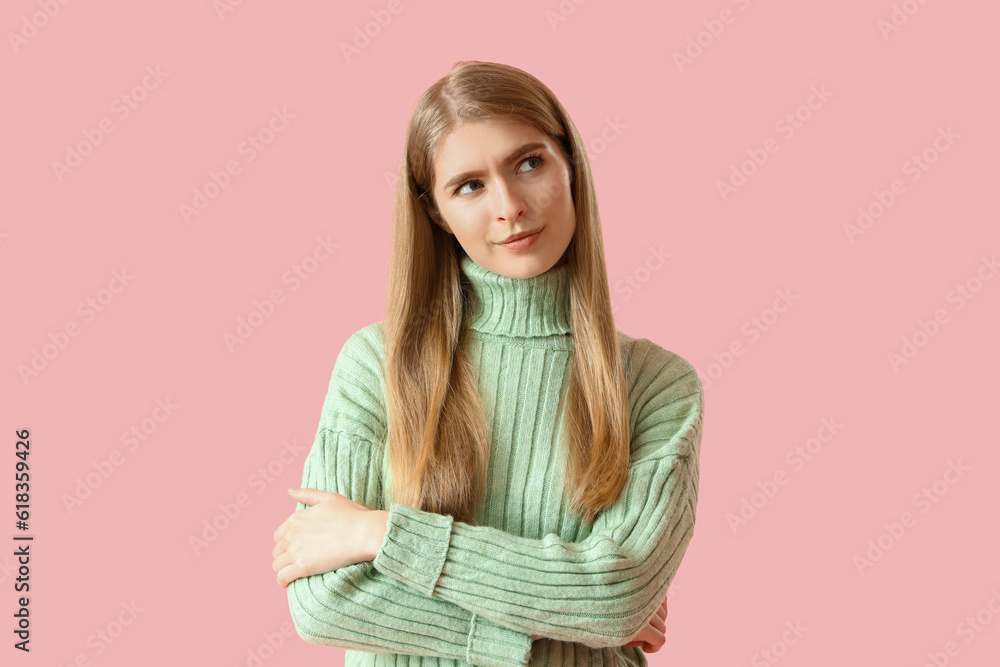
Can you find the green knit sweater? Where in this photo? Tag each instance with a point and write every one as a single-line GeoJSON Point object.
{"type": "Point", "coordinates": [445, 592]}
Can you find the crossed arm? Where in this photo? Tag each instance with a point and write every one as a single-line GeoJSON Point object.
{"type": "Point", "coordinates": [439, 587]}
{"type": "Point", "coordinates": [426, 590]}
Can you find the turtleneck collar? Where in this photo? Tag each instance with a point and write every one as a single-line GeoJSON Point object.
{"type": "Point", "coordinates": [519, 307]}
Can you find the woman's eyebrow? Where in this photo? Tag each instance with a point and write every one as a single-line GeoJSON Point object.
{"type": "Point", "coordinates": [520, 150]}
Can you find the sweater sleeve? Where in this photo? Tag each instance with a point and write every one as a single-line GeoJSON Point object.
{"type": "Point", "coordinates": [356, 607]}
{"type": "Point", "coordinates": [599, 591]}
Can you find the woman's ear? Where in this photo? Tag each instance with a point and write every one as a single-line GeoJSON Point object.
{"type": "Point", "coordinates": [436, 218]}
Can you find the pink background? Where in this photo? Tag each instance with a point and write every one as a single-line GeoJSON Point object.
{"type": "Point", "coordinates": [663, 134]}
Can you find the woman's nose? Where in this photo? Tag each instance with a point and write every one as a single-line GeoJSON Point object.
{"type": "Point", "coordinates": [509, 203]}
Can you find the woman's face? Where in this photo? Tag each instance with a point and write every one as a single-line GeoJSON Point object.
{"type": "Point", "coordinates": [496, 179]}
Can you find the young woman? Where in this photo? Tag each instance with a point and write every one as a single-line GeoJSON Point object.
{"type": "Point", "coordinates": [495, 463]}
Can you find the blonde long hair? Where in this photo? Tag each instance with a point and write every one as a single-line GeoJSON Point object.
{"type": "Point", "coordinates": [437, 437]}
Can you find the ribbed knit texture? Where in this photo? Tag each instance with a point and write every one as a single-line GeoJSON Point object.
{"type": "Point", "coordinates": [444, 592]}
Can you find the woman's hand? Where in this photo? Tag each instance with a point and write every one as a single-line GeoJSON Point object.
{"type": "Point", "coordinates": [335, 531]}
{"type": "Point", "coordinates": [651, 638]}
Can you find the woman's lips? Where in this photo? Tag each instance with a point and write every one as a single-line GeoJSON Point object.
{"type": "Point", "coordinates": [522, 243]}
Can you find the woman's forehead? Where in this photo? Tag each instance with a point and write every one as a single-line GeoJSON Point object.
{"type": "Point", "coordinates": [471, 144]}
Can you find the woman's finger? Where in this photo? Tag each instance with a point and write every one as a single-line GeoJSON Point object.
{"type": "Point", "coordinates": [281, 561]}
{"type": "Point", "coordinates": [279, 532]}
{"type": "Point", "coordinates": [658, 623]}
{"type": "Point", "coordinates": [659, 615]}
{"type": "Point", "coordinates": [287, 575]}
{"type": "Point", "coordinates": [313, 496]}
{"type": "Point", "coordinates": [657, 642]}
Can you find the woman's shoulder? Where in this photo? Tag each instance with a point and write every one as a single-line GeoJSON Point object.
{"type": "Point", "coordinates": [356, 398]}
{"type": "Point", "coordinates": [362, 356]}
{"type": "Point", "coordinates": [666, 395]}
{"type": "Point", "coordinates": [367, 341]}
{"type": "Point", "coordinates": [644, 359]}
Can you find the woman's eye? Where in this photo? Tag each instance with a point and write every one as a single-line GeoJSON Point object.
{"type": "Point", "coordinates": [458, 190]}
{"type": "Point", "coordinates": [533, 157]}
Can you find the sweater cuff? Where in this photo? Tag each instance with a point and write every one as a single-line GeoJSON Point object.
{"type": "Point", "coordinates": [497, 645]}
{"type": "Point", "coordinates": [415, 547]}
